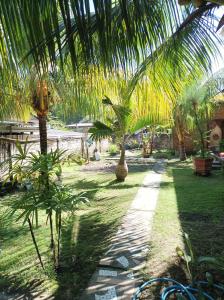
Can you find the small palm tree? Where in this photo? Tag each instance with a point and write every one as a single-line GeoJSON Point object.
{"type": "Point", "coordinates": [181, 123]}
{"type": "Point", "coordinates": [193, 108]}
{"type": "Point", "coordinates": [118, 128]}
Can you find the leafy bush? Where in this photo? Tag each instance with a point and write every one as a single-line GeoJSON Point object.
{"type": "Point", "coordinates": [132, 144]}
{"type": "Point", "coordinates": [194, 262]}
{"type": "Point", "coordinates": [42, 172]}
{"type": "Point", "coordinates": [113, 149]}
{"type": "Point", "coordinates": [75, 158]}
{"type": "Point", "coordinates": [166, 154]}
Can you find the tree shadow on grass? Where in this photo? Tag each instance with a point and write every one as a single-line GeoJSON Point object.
{"type": "Point", "coordinates": [12, 283]}
{"type": "Point", "coordinates": [200, 206]}
{"type": "Point", "coordinates": [200, 202]}
{"type": "Point", "coordinates": [82, 247]}
{"type": "Point", "coordinates": [95, 186]}
{"type": "Point", "coordinates": [139, 167]}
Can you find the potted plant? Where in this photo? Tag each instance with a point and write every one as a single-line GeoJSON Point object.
{"type": "Point", "coordinates": [202, 161]}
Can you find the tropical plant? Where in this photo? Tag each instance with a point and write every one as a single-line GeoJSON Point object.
{"type": "Point", "coordinates": [113, 149]}
{"type": "Point", "coordinates": [198, 99]}
{"type": "Point", "coordinates": [199, 3]}
{"type": "Point", "coordinates": [192, 110]}
{"type": "Point", "coordinates": [181, 124]}
{"type": "Point", "coordinates": [148, 137]}
{"type": "Point", "coordinates": [113, 33]}
{"type": "Point", "coordinates": [119, 128]}
{"type": "Point", "coordinates": [108, 36]}
{"type": "Point", "coordinates": [194, 262]}
{"type": "Point", "coordinates": [40, 173]}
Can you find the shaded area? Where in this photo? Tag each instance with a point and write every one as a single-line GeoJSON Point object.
{"type": "Point", "coordinates": [200, 203]}
{"type": "Point", "coordinates": [81, 253]}
{"type": "Point", "coordinates": [191, 204]}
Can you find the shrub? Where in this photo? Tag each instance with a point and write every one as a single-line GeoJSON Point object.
{"type": "Point", "coordinates": [113, 149]}
{"type": "Point", "coordinates": [166, 154]}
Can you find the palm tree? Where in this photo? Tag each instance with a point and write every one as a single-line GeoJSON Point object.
{"type": "Point", "coordinates": [181, 124]}
{"type": "Point", "coordinates": [116, 34]}
{"type": "Point", "coordinates": [119, 129]}
{"type": "Point", "coordinates": [194, 107]}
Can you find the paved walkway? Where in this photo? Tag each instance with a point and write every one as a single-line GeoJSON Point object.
{"type": "Point", "coordinates": [117, 275]}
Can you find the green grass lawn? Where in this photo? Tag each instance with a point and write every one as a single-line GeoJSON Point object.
{"type": "Point", "coordinates": [85, 237]}
{"type": "Point", "coordinates": [191, 204]}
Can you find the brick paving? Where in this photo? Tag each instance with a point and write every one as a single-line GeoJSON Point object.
{"type": "Point", "coordinates": [117, 275]}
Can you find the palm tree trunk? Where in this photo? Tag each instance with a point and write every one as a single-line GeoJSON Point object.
{"type": "Point", "coordinates": [200, 131]}
{"type": "Point", "coordinates": [122, 156]}
{"type": "Point", "coordinates": [9, 153]}
{"type": "Point", "coordinates": [35, 243]}
{"type": "Point", "coordinates": [182, 152]}
{"type": "Point", "coordinates": [43, 133]}
{"type": "Point", "coordinates": [181, 138]}
{"type": "Point", "coordinates": [121, 170]}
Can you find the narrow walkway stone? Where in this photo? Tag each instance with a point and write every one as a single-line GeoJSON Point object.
{"type": "Point", "coordinates": [117, 276]}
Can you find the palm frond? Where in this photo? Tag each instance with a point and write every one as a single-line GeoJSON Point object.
{"type": "Point", "coordinates": [100, 131]}
{"type": "Point", "coordinates": [115, 34]}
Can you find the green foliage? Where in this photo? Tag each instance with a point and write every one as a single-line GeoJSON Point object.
{"type": "Point", "coordinates": [113, 149]}
{"type": "Point", "coordinates": [45, 193]}
{"type": "Point", "coordinates": [118, 125]}
{"type": "Point", "coordinates": [86, 236]}
{"type": "Point", "coordinates": [163, 154]}
{"type": "Point", "coordinates": [221, 145]}
{"type": "Point", "coordinates": [193, 262]}
{"type": "Point", "coordinates": [193, 110]}
{"type": "Point", "coordinates": [133, 31]}
{"type": "Point", "coordinates": [75, 158]}
{"type": "Point", "coordinates": [100, 131]}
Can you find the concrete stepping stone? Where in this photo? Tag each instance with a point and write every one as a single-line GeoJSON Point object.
{"type": "Point", "coordinates": [110, 284]}
{"type": "Point", "coordinates": [117, 275]}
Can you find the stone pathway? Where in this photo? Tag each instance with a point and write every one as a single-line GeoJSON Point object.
{"type": "Point", "coordinates": [117, 275]}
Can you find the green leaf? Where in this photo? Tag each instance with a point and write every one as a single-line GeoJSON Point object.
{"type": "Point", "coordinates": [100, 131]}
{"type": "Point", "coordinates": [209, 278]}
{"type": "Point", "coordinates": [107, 101]}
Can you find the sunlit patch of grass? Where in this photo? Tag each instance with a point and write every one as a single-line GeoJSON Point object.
{"type": "Point", "coordinates": [85, 237]}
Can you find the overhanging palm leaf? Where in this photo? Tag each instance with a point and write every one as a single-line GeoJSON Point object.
{"type": "Point", "coordinates": [115, 33]}
{"type": "Point", "coordinates": [100, 131]}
